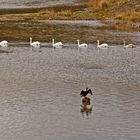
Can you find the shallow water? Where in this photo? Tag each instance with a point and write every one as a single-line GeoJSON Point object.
{"type": "Point", "coordinates": [40, 99]}
{"type": "Point", "coordinates": [12, 4]}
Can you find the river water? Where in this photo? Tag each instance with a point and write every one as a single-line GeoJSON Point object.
{"type": "Point", "coordinates": [12, 4]}
{"type": "Point", "coordinates": [39, 93]}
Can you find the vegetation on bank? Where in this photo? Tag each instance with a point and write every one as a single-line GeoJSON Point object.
{"type": "Point", "coordinates": [93, 9]}
{"type": "Point", "coordinates": [117, 9]}
{"type": "Point", "coordinates": [98, 9]}
{"type": "Point", "coordinates": [12, 23]}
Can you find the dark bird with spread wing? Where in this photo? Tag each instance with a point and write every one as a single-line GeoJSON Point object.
{"type": "Point", "coordinates": [84, 93]}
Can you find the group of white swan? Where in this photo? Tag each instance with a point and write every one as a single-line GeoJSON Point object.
{"type": "Point", "coordinates": [59, 45]}
{"type": "Point", "coordinates": [37, 44]}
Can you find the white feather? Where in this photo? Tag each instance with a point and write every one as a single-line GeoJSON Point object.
{"type": "Point", "coordinates": [83, 45]}
{"type": "Point", "coordinates": [104, 45]}
{"type": "Point", "coordinates": [4, 43]}
{"type": "Point", "coordinates": [35, 44]}
{"type": "Point", "coordinates": [57, 45]}
{"type": "Point", "coordinates": [129, 45]}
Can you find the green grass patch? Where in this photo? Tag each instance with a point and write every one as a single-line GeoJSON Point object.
{"type": "Point", "coordinates": [35, 14]}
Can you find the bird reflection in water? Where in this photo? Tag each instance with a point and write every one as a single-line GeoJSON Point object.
{"type": "Point", "coordinates": [86, 108]}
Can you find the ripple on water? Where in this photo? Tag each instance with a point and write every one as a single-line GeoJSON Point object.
{"type": "Point", "coordinates": [40, 98]}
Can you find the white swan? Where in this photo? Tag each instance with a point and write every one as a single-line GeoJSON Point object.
{"type": "Point", "coordinates": [35, 44]}
{"type": "Point", "coordinates": [104, 45]}
{"type": "Point", "coordinates": [4, 44]}
{"type": "Point", "coordinates": [129, 45]}
{"type": "Point", "coordinates": [83, 45]}
{"type": "Point", "coordinates": [57, 45]}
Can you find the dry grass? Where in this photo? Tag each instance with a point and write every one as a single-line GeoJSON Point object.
{"type": "Point", "coordinates": [57, 14]}
{"type": "Point", "coordinates": [93, 3]}
{"type": "Point", "coordinates": [118, 9]}
{"type": "Point", "coordinates": [99, 3]}
{"type": "Point", "coordinates": [130, 15]}
{"type": "Point", "coordinates": [47, 12]}
{"type": "Point", "coordinates": [66, 14]}
{"type": "Point", "coordinates": [99, 9]}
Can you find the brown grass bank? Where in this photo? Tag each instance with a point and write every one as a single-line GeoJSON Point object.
{"type": "Point", "coordinates": [116, 9]}
{"type": "Point", "coordinates": [93, 9]}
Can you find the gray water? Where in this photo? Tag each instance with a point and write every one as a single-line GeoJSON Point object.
{"type": "Point", "coordinates": [39, 93]}
{"type": "Point", "coordinates": [12, 4]}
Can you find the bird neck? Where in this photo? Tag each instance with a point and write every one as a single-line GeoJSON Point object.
{"type": "Point", "coordinates": [53, 42]}
{"type": "Point", "coordinates": [78, 42]}
{"type": "Point", "coordinates": [30, 41]}
{"type": "Point", "coordinates": [124, 44]}
{"type": "Point", "coordinates": [97, 43]}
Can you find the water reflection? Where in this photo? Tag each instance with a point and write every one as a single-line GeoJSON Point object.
{"type": "Point", "coordinates": [38, 98]}
{"type": "Point", "coordinates": [86, 108]}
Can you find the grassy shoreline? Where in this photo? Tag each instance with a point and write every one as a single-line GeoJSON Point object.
{"type": "Point", "coordinates": [19, 22]}
{"type": "Point", "coordinates": [79, 12]}
{"type": "Point", "coordinates": [91, 10]}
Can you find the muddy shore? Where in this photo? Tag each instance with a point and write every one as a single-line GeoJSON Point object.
{"type": "Point", "coordinates": [18, 25]}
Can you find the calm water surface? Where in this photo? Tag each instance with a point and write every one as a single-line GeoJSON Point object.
{"type": "Point", "coordinates": [39, 93]}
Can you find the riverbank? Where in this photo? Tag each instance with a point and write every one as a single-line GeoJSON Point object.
{"type": "Point", "coordinates": [117, 20]}
{"type": "Point", "coordinates": [20, 24]}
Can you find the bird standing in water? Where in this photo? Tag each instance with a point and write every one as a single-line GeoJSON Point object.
{"type": "Point", "coordinates": [85, 106]}
{"type": "Point", "coordinates": [85, 93]}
